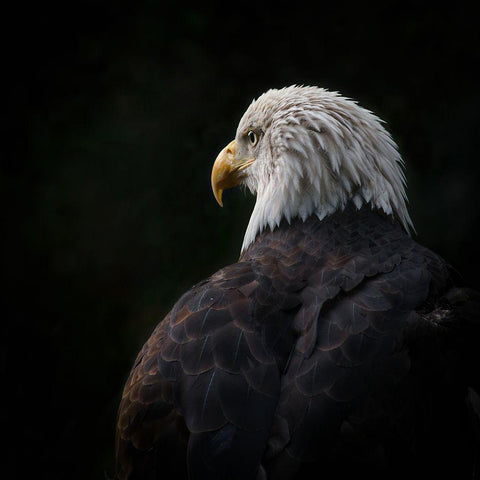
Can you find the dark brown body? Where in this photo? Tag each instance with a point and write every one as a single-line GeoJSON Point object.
{"type": "Point", "coordinates": [332, 347]}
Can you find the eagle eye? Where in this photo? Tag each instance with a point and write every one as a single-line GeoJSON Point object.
{"type": "Point", "coordinates": [252, 136]}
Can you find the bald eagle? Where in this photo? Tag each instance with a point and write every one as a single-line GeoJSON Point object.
{"type": "Point", "coordinates": [336, 345]}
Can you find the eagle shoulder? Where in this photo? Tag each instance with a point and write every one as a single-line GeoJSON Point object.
{"type": "Point", "coordinates": [210, 375]}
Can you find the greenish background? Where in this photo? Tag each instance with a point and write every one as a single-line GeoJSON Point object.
{"type": "Point", "coordinates": [113, 113]}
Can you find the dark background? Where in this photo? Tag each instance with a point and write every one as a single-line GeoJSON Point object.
{"type": "Point", "coordinates": [112, 115]}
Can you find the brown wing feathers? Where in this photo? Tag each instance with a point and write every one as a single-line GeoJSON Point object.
{"type": "Point", "coordinates": [278, 359]}
{"type": "Point", "coordinates": [210, 365]}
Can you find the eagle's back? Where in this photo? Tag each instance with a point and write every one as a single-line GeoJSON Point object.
{"type": "Point", "coordinates": [331, 346]}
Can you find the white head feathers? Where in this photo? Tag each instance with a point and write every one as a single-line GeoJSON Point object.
{"type": "Point", "coordinates": [316, 151]}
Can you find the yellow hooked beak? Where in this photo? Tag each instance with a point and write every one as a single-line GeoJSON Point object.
{"type": "Point", "coordinates": [227, 170]}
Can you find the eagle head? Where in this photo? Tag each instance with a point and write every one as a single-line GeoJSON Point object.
{"type": "Point", "coordinates": [307, 150]}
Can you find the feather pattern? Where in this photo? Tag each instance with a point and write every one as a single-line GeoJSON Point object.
{"type": "Point", "coordinates": [296, 354]}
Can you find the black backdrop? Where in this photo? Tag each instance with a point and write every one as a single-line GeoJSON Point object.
{"type": "Point", "coordinates": [113, 114]}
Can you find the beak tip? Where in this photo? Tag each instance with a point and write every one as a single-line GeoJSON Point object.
{"type": "Point", "coordinates": [218, 196]}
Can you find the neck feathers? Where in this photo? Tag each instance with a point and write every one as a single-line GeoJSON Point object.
{"type": "Point", "coordinates": [325, 155]}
